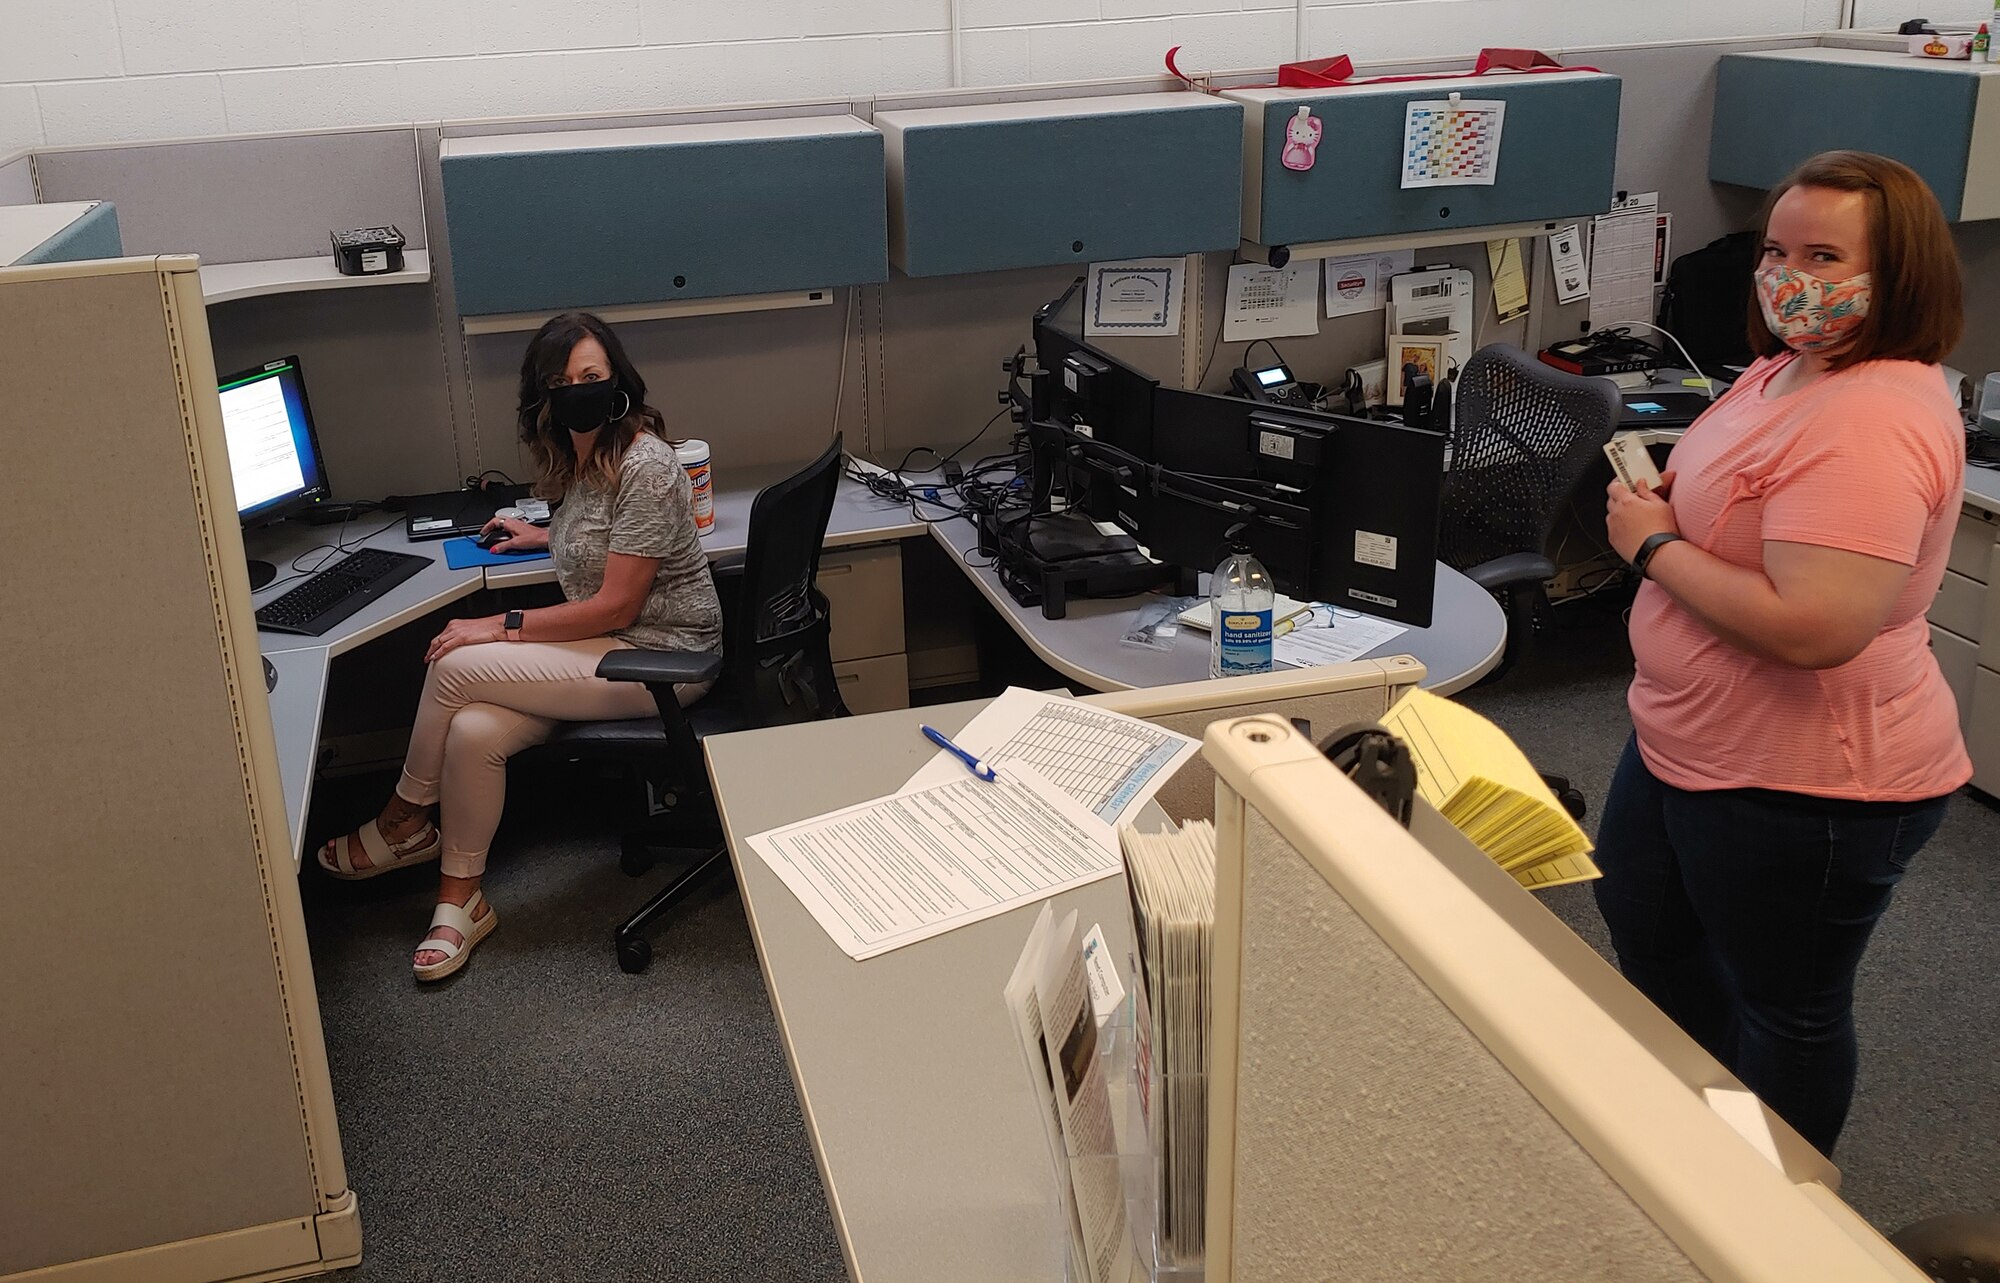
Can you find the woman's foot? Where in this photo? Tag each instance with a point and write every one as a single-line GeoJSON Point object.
{"type": "Point", "coordinates": [461, 920]}
{"type": "Point", "coordinates": [401, 835]}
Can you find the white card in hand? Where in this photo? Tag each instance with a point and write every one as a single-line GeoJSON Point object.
{"type": "Point", "coordinates": [1631, 461]}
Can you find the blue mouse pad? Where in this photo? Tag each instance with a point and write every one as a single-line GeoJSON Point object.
{"type": "Point", "coordinates": [462, 554]}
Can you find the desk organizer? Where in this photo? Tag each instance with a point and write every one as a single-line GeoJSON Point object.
{"type": "Point", "coordinates": [1076, 180]}
{"type": "Point", "coordinates": [1558, 144]}
{"type": "Point", "coordinates": [1942, 119]}
{"type": "Point", "coordinates": [596, 217]}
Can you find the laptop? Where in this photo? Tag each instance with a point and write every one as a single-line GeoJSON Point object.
{"type": "Point", "coordinates": [450, 513]}
{"type": "Point", "coordinates": [1657, 408]}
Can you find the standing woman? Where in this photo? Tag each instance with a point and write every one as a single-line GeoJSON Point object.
{"type": "Point", "coordinates": [1794, 738]}
{"type": "Point", "coordinates": [633, 574]}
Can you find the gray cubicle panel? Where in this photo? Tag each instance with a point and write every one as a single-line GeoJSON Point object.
{"type": "Point", "coordinates": [374, 364]}
{"type": "Point", "coordinates": [248, 199]}
{"type": "Point", "coordinates": [592, 217]}
{"type": "Point", "coordinates": [992, 186]}
{"type": "Point", "coordinates": [758, 386]}
{"type": "Point", "coordinates": [1557, 145]}
{"type": "Point", "coordinates": [17, 180]}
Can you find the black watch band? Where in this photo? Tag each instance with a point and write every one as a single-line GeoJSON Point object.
{"type": "Point", "coordinates": [512, 623]}
{"type": "Point", "coordinates": [1644, 557]}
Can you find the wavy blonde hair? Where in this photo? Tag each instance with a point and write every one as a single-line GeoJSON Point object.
{"type": "Point", "coordinates": [547, 360]}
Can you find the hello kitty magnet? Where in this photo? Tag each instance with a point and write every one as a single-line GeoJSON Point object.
{"type": "Point", "coordinates": [1302, 133]}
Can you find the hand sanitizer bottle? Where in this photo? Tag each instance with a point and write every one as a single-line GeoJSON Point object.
{"type": "Point", "coordinates": [1239, 639]}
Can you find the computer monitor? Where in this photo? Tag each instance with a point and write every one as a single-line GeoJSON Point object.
{"type": "Point", "coordinates": [274, 461]}
{"type": "Point", "coordinates": [1091, 391]}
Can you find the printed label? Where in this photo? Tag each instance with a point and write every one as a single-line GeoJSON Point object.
{"type": "Point", "coordinates": [1245, 640]}
{"type": "Point", "coordinates": [1371, 549]}
{"type": "Point", "coordinates": [1275, 444]}
{"type": "Point", "coordinates": [703, 497]}
{"type": "Point", "coordinates": [375, 260]}
{"type": "Point", "coordinates": [1358, 595]}
{"type": "Point", "coordinates": [1069, 379]}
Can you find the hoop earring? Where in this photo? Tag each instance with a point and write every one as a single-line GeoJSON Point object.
{"type": "Point", "coordinates": [628, 406]}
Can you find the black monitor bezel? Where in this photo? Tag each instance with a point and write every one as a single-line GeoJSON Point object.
{"type": "Point", "coordinates": [284, 506]}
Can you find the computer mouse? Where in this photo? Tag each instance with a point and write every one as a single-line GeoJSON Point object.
{"type": "Point", "coordinates": [270, 675]}
{"type": "Point", "coordinates": [487, 538]}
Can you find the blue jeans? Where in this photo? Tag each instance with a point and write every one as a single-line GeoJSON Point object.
{"type": "Point", "coordinates": [1743, 914]}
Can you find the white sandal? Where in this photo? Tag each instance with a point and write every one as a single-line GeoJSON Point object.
{"type": "Point", "coordinates": [469, 931]}
{"type": "Point", "coordinates": [420, 847]}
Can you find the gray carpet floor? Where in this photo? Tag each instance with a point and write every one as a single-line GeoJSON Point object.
{"type": "Point", "coordinates": [545, 1116]}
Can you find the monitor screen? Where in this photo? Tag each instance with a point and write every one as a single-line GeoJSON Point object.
{"type": "Point", "coordinates": [273, 452]}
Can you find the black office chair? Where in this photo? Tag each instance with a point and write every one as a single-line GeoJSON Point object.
{"type": "Point", "coordinates": [1524, 436]}
{"type": "Point", "coordinates": [775, 668]}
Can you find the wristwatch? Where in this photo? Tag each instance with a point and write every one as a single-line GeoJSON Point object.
{"type": "Point", "coordinates": [1653, 544]}
{"type": "Point", "coordinates": [511, 625]}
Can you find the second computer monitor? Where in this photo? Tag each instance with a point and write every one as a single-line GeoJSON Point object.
{"type": "Point", "coordinates": [274, 461]}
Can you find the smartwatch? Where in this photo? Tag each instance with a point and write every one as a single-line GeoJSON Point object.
{"type": "Point", "coordinates": [1653, 544]}
{"type": "Point", "coordinates": [511, 625]}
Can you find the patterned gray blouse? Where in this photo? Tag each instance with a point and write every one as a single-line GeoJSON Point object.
{"type": "Point", "coordinates": [649, 514]}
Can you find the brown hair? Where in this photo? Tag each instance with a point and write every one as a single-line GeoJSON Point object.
{"type": "Point", "coordinates": [546, 360]}
{"type": "Point", "coordinates": [1917, 307]}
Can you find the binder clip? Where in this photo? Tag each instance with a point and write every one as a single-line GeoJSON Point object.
{"type": "Point", "coordinates": [1302, 134]}
{"type": "Point", "coordinates": [1379, 763]}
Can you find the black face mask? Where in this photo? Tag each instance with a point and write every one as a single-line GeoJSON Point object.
{"type": "Point", "coordinates": [580, 407]}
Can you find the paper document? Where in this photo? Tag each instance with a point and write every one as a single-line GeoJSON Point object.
{"type": "Point", "coordinates": [1350, 636]}
{"type": "Point", "coordinates": [1202, 614]}
{"type": "Point", "coordinates": [1361, 284]}
{"type": "Point", "coordinates": [1271, 302]}
{"type": "Point", "coordinates": [1452, 142]}
{"type": "Point", "coordinates": [1566, 259]}
{"type": "Point", "coordinates": [1026, 1011]}
{"type": "Point", "coordinates": [1143, 296]}
{"type": "Point", "coordinates": [1510, 283]}
{"type": "Point", "coordinates": [1623, 245]}
{"type": "Point", "coordinates": [901, 869]}
{"type": "Point", "coordinates": [1108, 763]}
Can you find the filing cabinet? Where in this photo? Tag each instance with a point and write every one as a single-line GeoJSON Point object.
{"type": "Point", "coordinates": [1965, 637]}
{"type": "Point", "coordinates": [864, 595]}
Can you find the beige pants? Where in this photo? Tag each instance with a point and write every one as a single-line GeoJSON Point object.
{"type": "Point", "coordinates": [483, 704]}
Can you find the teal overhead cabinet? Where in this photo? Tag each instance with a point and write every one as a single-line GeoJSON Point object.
{"type": "Point", "coordinates": [1942, 119]}
{"type": "Point", "coordinates": [597, 217]}
{"type": "Point", "coordinates": [1074, 180]}
{"type": "Point", "coordinates": [65, 233]}
{"type": "Point", "coordinates": [1558, 146]}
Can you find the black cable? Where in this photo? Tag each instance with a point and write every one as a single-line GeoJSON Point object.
{"type": "Point", "coordinates": [1276, 355]}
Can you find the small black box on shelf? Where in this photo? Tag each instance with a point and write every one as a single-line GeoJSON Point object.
{"type": "Point", "coordinates": [367, 251]}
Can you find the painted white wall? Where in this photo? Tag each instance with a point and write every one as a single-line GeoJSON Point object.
{"type": "Point", "coordinates": [83, 71]}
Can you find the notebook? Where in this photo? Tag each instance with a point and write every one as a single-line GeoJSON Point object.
{"type": "Point", "coordinates": [1202, 614]}
{"type": "Point", "coordinates": [1484, 784]}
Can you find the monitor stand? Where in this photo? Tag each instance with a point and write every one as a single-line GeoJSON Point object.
{"type": "Point", "coordinates": [261, 573]}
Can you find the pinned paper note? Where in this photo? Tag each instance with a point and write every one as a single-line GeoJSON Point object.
{"type": "Point", "coordinates": [1361, 284]}
{"type": "Point", "coordinates": [1143, 296]}
{"type": "Point", "coordinates": [1452, 142]}
{"type": "Point", "coordinates": [1624, 244]}
{"type": "Point", "coordinates": [1271, 302]}
{"type": "Point", "coordinates": [1510, 283]}
{"type": "Point", "coordinates": [1566, 258]}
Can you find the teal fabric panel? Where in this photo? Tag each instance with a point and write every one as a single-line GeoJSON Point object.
{"type": "Point", "coordinates": [95, 235]}
{"type": "Point", "coordinates": [1558, 146]}
{"type": "Point", "coordinates": [1773, 113]}
{"type": "Point", "coordinates": [544, 230]}
{"type": "Point", "coordinates": [987, 196]}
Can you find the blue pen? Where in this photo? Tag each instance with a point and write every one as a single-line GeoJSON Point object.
{"type": "Point", "coordinates": [973, 764]}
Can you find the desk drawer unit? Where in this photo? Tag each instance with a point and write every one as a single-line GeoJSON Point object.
{"type": "Point", "coordinates": [864, 592]}
{"type": "Point", "coordinates": [1958, 658]}
{"type": "Point", "coordinates": [1972, 544]}
{"type": "Point", "coordinates": [1982, 735]}
{"type": "Point", "coordinates": [874, 685]}
{"type": "Point", "coordinates": [1960, 606]}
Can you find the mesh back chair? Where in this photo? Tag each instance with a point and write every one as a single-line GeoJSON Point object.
{"type": "Point", "coordinates": [775, 668]}
{"type": "Point", "coordinates": [1524, 436]}
{"type": "Point", "coordinates": [1964, 1248]}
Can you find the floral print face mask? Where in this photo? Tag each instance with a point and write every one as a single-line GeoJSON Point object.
{"type": "Point", "coordinates": [1807, 313]}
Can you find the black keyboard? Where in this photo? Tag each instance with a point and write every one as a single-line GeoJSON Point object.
{"type": "Point", "coordinates": [333, 594]}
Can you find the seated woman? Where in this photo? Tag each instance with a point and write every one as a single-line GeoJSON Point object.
{"type": "Point", "coordinates": [633, 573]}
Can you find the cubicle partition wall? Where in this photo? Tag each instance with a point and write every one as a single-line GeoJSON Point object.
{"type": "Point", "coordinates": [17, 180]}
{"type": "Point", "coordinates": [168, 1112]}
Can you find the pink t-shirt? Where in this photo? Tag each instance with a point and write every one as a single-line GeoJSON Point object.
{"type": "Point", "coordinates": [1871, 460]}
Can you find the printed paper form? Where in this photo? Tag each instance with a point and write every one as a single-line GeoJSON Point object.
{"type": "Point", "coordinates": [899, 869]}
{"type": "Point", "coordinates": [1622, 245]}
{"type": "Point", "coordinates": [1107, 762]}
{"type": "Point", "coordinates": [1350, 636]}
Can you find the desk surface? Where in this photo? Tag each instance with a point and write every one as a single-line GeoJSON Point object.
{"type": "Point", "coordinates": [907, 1070]}
{"type": "Point", "coordinates": [1464, 642]}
